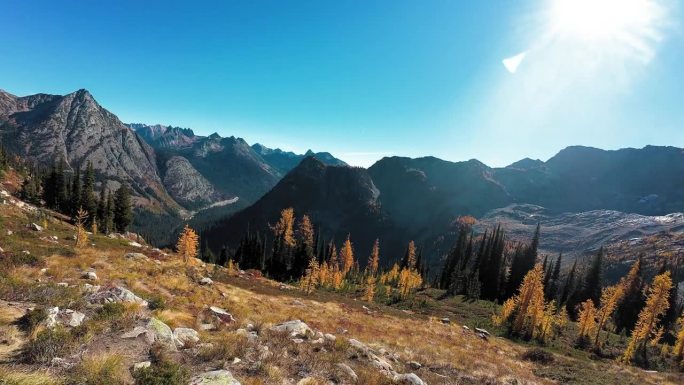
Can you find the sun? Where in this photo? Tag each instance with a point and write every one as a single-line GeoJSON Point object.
{"type": "Point", "coordinates": [601, 19]}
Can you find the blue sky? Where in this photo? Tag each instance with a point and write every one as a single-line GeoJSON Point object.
{"type": "Point", "coordinates": [360, 79]}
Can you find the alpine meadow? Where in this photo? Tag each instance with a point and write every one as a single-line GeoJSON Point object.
{"type": "Point", "coordinates": [342, 193]}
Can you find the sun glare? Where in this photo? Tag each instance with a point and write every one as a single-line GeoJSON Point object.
{"type": "Point", "coordinates": [601, 19]}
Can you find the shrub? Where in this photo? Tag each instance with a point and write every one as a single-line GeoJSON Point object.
{"type": "Point", "coordinates": [156, 302]}
{"type": "Point", "coordinates": [30, 321]}
{"type": "Point", "coordinates": [109, 369]}
{"type": "Point", "coordinates": [164, 372]}
{"type": "Point", "coordinates": [48, 344]}
{"type": "Point", "coordinates": [226, 347]}
{"type": "Point", "coordinates": [110, 311]}
{"type": "Point", "coordinates": [538, 355]}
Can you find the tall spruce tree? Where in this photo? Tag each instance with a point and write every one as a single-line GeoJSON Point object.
{"type": "Point", "coordinates": [75, 193]}
{"type": "Point", "coordinates": [633, 300]}
{"type": "Point", "coordinates": [592, 284]}
{"type": "Point", "coordinates": [523, 261]}
{"type": "Point", "coordinates": [88, 199]}
{"type": "Point", "coordinates": [123, 210]}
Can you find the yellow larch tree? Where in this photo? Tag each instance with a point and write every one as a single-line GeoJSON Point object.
{"type": "Point", "coordinates": [411, 255]}
{"type": "Point", "coordinates": [610, 298]}
{"type": "Point", "coordinates": [391, 276]}
{"type": "Point", "coordinates": [587, 318]}
{"type": "Point", "coordinates": [283, 230]}
{"type": "Point", "coordinates": [527, 312]}
{"type": "Point", "coordinates": [646, 327]}
{"type": "Point", "coordinates": [374, 259]}
{"type": "Point", "coordinates": [347, 256]}
{"type": "Point", "coordinates": [305, 233]}
{"type": "Point", "coordinates": [310, 279]}
{"type": "Point", "coordinates": [678, 350]}
{"type": "Point", "coordinates": [369, 288]}
{"type": "Point", "coordinates": [81, 233]}
{"type": "Point", "coordinates": [409, 279]}
{"type": "Point", "coordinates": [188, 243]}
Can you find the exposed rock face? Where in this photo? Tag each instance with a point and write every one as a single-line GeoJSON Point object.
{"type": "Point", "coordinates": [74, 127]}
{"type": "Point", "coordinates": [186, 185]}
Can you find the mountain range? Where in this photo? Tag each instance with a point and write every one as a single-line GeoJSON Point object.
{"type": "Point", "coordinates": [228, 185]}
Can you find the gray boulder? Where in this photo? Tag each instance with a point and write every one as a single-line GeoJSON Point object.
{"type": "Point", "coordinates": [186, 337]}
{"type": "Point", "coordinates": [215, 377]}
{"type": "Point", "coordinates": [408, 379]}
{"type": "Point", "coordinates": [295, 328]}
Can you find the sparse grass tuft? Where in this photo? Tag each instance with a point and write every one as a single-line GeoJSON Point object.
{"type": "Point", "coordinates": [107, 369]}
{"type": "Point", "coordinates": [164, 372]}
{"type": "Point", "coordinates": [50, 343]}
{"type": "Point", "coordinates": [11, 377]}
{"type": "Point", "coordinates": [225, 347]}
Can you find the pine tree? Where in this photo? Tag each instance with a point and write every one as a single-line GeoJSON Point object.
{"type": "Point", "coordinates": [188, 241]}
{"type": "Point", "coordinates": [102, 209]}
{"type": "Point", "coordinates": [523, 261]}
{"type": "Point", "coordinates": [647, 325]}
{"type": "Point", "coordinates": [568, 289]}
{"type": "Point", "coordinates": [88, 200]}
{"type": "Point", "coordinates": [123, 212]}
{"type": "Point", "coordinates": [553, 285]}
{"type": "Point", "coordinates": [76, 192]}
{"type": "Point", "coordinates": [109, 210]}
{"type": "Point", "coordinates": [633, 301]}
{"type": "Point", "coordinates": [374, 259]}
{"type": "Point", "coordinates": [592, 280]}
{"type": "Point", "coordinates": [60, 188]}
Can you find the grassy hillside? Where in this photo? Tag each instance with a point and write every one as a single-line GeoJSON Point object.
{"type": "Point", "coordinates": [42, 269]}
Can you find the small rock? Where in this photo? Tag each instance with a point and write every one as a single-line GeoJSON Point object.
{"type": "Point", "coordinates": [482, 331]}
{"type": "Point", "coordinates": [414, 365]}
{"type": "Point", "coordinates": [236, 361]}
{"type": "Point", "coordinates": [115, 294]}
{"type": "Point", "coordinates": [35, 227]}
{"type": "Point", "coordinates": [221, 314]}
{"type": "Point", "coordinates": [186, 337]}
{"type": "Point", "coordinates": [329, 337]}
{"type": "Point", "coordinates": [61, 363]}
{"type": "Point", "coordinates": [159, 332]}
{"type": "Point", "coordinates": [206, 281]}
{"type": "Point", "coordinates": [71, 318]}
{"type": "Point", "coordinates": [215, 377]}
{"type": "Point", "coordinates": [26, 252]}
{"type": "Point", "coordinates": [62, 284]}
{"type": "Point", "coordinates": [348, 371]}
{"type": "Point", "coordinates": [3, 250]}
{"type": "Point", "coordinates": [408, 379]}
{"type": "Point", "coordinates": [136, 256]}
{"type": "Point", "coordinates": [465, 327]}
{"type": "Point", "coordinates": [135, 333]}
{"type": "Point", "coordinates": [134, 244]}
{"type": "Point", "coordinates": [9, 232]}
{"type": "Point", "coordinates": [141, 365]}
{"type": "Point", "coordinates": [297, 340]}
{"type": "Point", "coordinates": [89, 275]}
{"type": "Point", "coordinates": [445, 320]}
{"type": "Point", "coordinates": [295, 328]}
{"type": "Point", "coordinates": [207, 327]}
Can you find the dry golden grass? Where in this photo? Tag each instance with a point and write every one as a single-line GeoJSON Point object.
{"type": "Point", "coordinates": [449, 350]}
{"type": "Point", "coordinates": [13, 377]}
